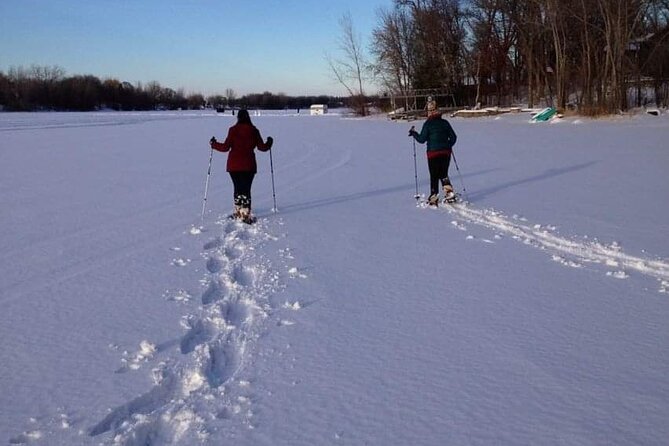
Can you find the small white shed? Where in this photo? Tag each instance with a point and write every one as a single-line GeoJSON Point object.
{"type": "Point", "coordinates": [319, 109]}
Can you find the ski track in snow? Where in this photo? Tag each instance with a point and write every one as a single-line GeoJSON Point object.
{"type": "Point", "coordinates": [569, 252]}
{"type": "Point", "coordinates": [203, 385]}
{"type": "Point", "coordinates": [331, 161]}
{"type": "Point", "coordinates": [25, 121]}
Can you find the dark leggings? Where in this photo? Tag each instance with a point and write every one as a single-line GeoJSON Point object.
{"type": "Point", "coordinates": [438, 167]}
{"type": "Point", "coordinates": [242, 182]}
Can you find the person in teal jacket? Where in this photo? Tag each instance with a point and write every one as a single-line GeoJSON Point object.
{"type": "Point", "coordinates": [440, 138]}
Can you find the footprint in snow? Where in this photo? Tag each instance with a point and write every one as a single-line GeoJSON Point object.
{"type": "Point", "coordinates": [200, 333]}
{"type": "Point", "coordinates": [213, 244]}
{"type": "Point", "coordinates": [236, 313]}
{"type": "Point", "coordinates": [232, 252]}
{"type": "Point", "coordinates": [214, 264]}
{"type": "Point", "coordinates": [216, 291]}
{"type": "Point", "coordinates": [243, 275]}
{"type": "Point", "coordinates": [157, 397]}
{"type": "Point", "coordinates": [223, 361]}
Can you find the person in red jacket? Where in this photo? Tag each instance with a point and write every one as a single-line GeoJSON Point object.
{"type": "Point", "coordinates": [242, 139]}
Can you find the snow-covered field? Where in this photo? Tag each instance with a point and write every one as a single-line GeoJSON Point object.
{"type": "Point", "coordinates": [536, 314]}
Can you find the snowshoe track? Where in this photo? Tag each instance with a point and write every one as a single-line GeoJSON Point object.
{"type": "Point", "coordinates": [568, 251]}
{"type": "Point", "coordinates": [203, 378]}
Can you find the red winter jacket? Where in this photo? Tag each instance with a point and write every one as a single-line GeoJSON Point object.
{"type": "Point", "coordinates": [242, 139]}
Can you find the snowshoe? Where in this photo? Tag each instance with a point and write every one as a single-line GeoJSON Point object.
{"type": "Point", "coordinates": [433, 200]}
{"type": "Point", "coordinates": [249, 220]}
{"type": "Point", "coordinates": [243, 214]}
{"type": "Point", "coordinates": [450, 199]}
{"type": "Point", "coordinates": [449, 194]}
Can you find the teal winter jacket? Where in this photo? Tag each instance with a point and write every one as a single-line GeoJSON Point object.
{"type": "Point", "coordinates": [438, 134]}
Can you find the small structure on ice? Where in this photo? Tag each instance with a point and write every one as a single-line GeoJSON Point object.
{"type": "Point", "coordinates": [319, 109]}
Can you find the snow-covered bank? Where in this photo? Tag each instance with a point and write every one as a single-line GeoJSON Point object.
{"type": "Point", "coordinates": [536, 314]}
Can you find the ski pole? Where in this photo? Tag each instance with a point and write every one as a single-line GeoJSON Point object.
{"type": "Point", "coordinates": [415, 167]}
{"type": "Point", "coordinates": [464, 189]}
{"type": "Point", "coordinates": [206, 184]}
{"type": "Point", "coordinates": [271, 169]}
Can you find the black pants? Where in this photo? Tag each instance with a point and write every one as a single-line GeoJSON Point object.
{"type": "Point", "coordinates": [242, 182]}
{"type": "Point", "coordinates": [438, 167]}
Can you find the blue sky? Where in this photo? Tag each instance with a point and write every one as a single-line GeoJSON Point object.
{"type": "Point", "coordinates": [200, 45]}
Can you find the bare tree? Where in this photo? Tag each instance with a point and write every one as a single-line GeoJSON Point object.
{"type": "Point", "coordinates": [350, 70]}
{"type": "Point", "coordinates": [621, 19]}
{"type": "Point", "coordinates": [589, 53]}
{"type": "Point", "coordinates": [154, 90]}
{"type": "Point", "coordinates": [526, 18]}
{"type": "Point", "coordinates": [230, 95]}
{"type": "Point", "coordinates": [484, 17]}
{"type": "Point", "coordinates": [392, 47]}
{"type": "Point", "coordinates": [216, 101]}
{"type": "Point", "coordinates": [46, 74]}
{"type": "Point", "coordinates": [195, 101]}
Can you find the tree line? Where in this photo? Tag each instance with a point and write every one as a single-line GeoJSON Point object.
{"type": "Point", "coordinates": [48, 88]}
{"type": "Point", "coordinates": [598, 56]}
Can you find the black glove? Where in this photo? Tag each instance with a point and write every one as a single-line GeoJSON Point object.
{"type": "Point", "coordinates": [212, 140]}
{"type": "Point", "coordinates": [270, 141]}
{"type": "Point", "coordinates": [412, 131]}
